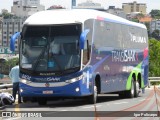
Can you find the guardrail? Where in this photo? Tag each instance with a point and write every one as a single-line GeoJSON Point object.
{"type": "Point", "coordinates": [5, 81]}
{"type": "Point", "coordinates": [153, 79]}
{"type": "Point", "coordinates": [6, 88]}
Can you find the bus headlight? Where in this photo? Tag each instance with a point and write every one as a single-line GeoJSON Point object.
{"type": "Point", "coordinates": [74, 79]}
{"type": "Point", "coordinates": [25, 81]}
{"type": "Point", "coordinates": [21, 90]}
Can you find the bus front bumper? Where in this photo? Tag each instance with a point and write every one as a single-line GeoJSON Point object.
{"type": "Point", "coordinates": [76, 89]}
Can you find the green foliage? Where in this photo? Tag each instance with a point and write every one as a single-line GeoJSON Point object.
{"type": "Point", "coordinates": [135, 20]}
{"type": "Point", "coordinates": [140, 15]}
{"type": "Point", "coordinates": [155, 13]}
{"type": "Point", "coordinates": [7, 65]}
{"type": "Point", "coordinates": [7, 15]}
{"type": "Point", "coordinates": [155, 34]}
{"type": "Point", "coordinates": [155, 83]}
{"type": "Point", "coordinates": [154, 58]}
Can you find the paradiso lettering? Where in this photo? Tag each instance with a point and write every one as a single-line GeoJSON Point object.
{"type": "Point", "coordinates": [27, 77]}
{"type": "Point", "coordinates": [124, 56]}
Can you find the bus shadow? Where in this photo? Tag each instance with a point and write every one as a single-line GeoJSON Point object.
{"type": "Point", "coordinates": [67, 102]}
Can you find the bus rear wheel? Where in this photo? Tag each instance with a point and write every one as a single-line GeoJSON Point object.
{"type": "Point", "coordinates": [136, 89]}
{"type": "Point", "coordinates": [130, 93]}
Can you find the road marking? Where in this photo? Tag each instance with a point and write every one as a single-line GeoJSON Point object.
{"type": "Point", "coordinates": [86, 107]}
{"type": "Point", "coordinates": [120, 103]}
{"type": "Point", "coordinates": [142, 100]}
{"type": "Point", "coordinates": [17, 108]}
{"type": "Point", "coordinates": [63, 110]}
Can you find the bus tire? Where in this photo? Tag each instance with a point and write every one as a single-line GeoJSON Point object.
{"type": "Point", "coordinates": [42, 101]}
{"type": "Point", "coordinates": [93, 98]}
{"type": "Point", "coordinates": [136, 88]}
{"type": "Point", "coordinates": [130, 93]}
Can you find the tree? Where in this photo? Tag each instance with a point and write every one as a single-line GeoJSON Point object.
{"type": "Point", "coordinates": [154, 58]}
{"type": "Point", "coordinates": [7, 65]}
{"type": "Point", "coordinates": [155, 34]}
{"type": "Point", "coordinates": [140, 15]}
{"type": "Point", "coordinates": [155, 14]}
{"type": "Point", "coordinates": [5, 14]}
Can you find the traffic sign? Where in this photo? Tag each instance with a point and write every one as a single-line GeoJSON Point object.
{"type": "Point", "coordinates": [6, 50]}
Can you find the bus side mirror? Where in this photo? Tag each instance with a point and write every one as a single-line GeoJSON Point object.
{"type": "Point", "coordinates": [13, 39]}
{"type": "Point", "coordinates": [83, 38]}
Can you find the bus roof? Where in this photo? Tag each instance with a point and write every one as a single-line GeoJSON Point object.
{"type": "Point", "coordinates": [51, 17]}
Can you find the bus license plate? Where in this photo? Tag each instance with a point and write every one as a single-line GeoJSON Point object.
{"type": "Point", "coordinates": [48, 92]}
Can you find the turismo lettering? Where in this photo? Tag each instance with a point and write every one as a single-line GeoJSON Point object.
{"type": "Point", "coordinates": [124, 56]}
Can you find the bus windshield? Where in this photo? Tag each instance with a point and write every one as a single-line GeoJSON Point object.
{"type": "Point", "coordinates": [50, 48]}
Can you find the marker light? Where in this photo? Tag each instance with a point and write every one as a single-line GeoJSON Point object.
{"type": "Point", "coordinates": [21, 90]}
{"type": "Point", "coordinates": [77, 89]}
{"type": "Point", "coordinates": [25, 81]}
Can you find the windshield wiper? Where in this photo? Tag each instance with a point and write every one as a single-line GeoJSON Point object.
{"type": "Point", "coordinates": [39, 57]}
{"type": "Point", "coordinates": [42, 54]}
{"type": "Point", "coordinates": [72, 69]}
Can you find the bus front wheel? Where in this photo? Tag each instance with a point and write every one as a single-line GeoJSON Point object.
{"type": "Point", "coordinates": [93, 98]}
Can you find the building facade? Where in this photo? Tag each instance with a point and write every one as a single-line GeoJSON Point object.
{"type": "Point", "coordinates": [23, 8]}
{"type": "Point", "coordinates": [0, 31]}
{"type": "Point", "coordinates": [9, 27]}
{"type": "Point", "coordinates": [134, 7]}
{"type": "Point", "coordinates": [89, 4]}
{"type": "Point", "coordinates": [116, 11]}
{"type": "Point", "coordinates": [154, 25]}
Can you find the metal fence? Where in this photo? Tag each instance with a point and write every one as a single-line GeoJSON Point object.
{"type": "Point", "coordinates": [153, 79]}
{"type": "Point", "coordinates": [6, 85]}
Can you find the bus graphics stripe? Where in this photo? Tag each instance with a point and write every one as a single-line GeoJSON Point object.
{"type": "Point", "coordinates": [94, 67]}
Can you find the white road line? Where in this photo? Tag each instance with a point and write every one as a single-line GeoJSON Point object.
{"type": "Point", "coordinates": [63, 110]}
{"type": "Point", "coordinates": [120, 103]}
{"type": "Point", "coordinates": [86, 107]}
{"type": "Point", "coordinates": [142, 100]}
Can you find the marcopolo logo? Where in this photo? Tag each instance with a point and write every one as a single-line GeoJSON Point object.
{"type": "Point", "coordinates": [124, 56]}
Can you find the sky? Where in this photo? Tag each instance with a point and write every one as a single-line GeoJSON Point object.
{"type": "Point", "coordinates": [151, 4]}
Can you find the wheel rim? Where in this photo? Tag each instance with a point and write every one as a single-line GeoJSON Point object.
{"type": "Point", "coordinates": [137, 87]}
{"type": "Point", "coordinates": [95, 94]}
{"type": "Point", "coordinates": [132, 89]}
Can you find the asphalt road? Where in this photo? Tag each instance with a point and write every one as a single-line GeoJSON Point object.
{"type": "Point", "coordinates": [146, 106]}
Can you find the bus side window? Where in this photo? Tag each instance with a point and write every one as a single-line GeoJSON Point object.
{"type": "Point", "coordinates": [86, 53]}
